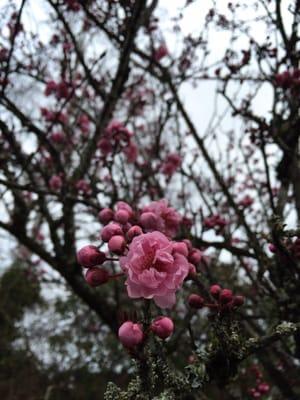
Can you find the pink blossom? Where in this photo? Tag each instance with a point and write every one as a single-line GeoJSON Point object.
{"type": "Point", "coordinates": [55, 182]}
{"type": "Point", "coordinates": [160, 52]}
{"type": "Point", "coordinates": [58, 137]}
{"type": "Point", "coordinates": [105, 146]}
{"type": "Point", "coordinates": [84, 123]}
{"type": "Point", "coordinates": [131, 152]}
{"type": "Point", "coordinates": [164, 219]}
{"type": "Point", "coordinates": [171, 164]}
{"type": "Point", "coordinates": [83, 187]}
{"type": "Point", "coordinates": [180, 247]}
{"type": "Point", "coordinates": [153, 272]}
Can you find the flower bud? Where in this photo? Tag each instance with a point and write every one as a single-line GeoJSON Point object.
{"type": "Point", "coordinates": [215, 291]}
{"type": "Point", "coordinates": [263, 388]}
{"type": "Point", "coordinates": [149, 220]}
{"type": "Point", "coordinates": [192, 270]}
{"type": "Point", "coordinates": [225, 296]}
{"type": "Point", "coordinates": [188, 244]}
{"type": "Point", "coordinates": [162, 327]}
{"type": "Point", "coordinates": [130, 334]}
{"type": "Point", "coordinates": [121, 205]}
{"type": "Point", "coordinates": [196, 301]}
{"type": "Point", "coordinates": [106, 215]}
{"type": "Point", "coordinates": [195, 256]}
{"type": "Point", "coordinates": [272, 248]}
{"type": "Point", "coordinates": [96, 276]}
{"type": "Point", "coordinates": [89, 256]}
{"type": "Point", "coordinates": [122, 216]}
{"type": "Point", "coordinates": [238, 301]}
{"type": "Point", "coordinates": [110, 230]}
{"type": "Point", "coordinates": [135, 230]}
{"type": "Point", "coordinates": [117, 244]}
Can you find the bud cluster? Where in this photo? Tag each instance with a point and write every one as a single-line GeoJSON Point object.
{"type": "Point", "coordinates": [132, 334]}
{"type": "Point", "coordinates": [224, 300]}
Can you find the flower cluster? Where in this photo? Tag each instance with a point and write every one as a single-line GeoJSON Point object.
{"type": "Point", "coordinates": [117, 137]}
{"type": "Point", "coordinates": [224, 300]}
{"type": "Point", "coordinates": [154, 264]}
{"type": "Point", "coordinates": [215, 221]}
{"type": "Point", "coordinates": [60, 89]}
{"type": "Point", "coordinates": [261, 388]}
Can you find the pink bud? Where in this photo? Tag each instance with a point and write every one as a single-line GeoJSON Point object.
{"type": "Point", "coordinates": [195, 256]}
{"type": "Point", "coordinates": [192, 269]}
{"type": "Point", "coordinates": [121, 205]}
{"type": "Point", "coordinates": [117, 244]}
{"type": "Point", "coordinates": [96, 276]}
{"type": "Point", "coordinates": [135, 230]}
{"type": "Point", "coordinates": [225, 296]}
{"type": "Point", "coordinates": [215, 291]}
{"type": "Point", "coordinates": [272, 248]}
{"type": "Point", "coordinates": [106, 215]}
{"type": "Point", "coordinates": [58, 137]}
{"type": "Point", "coordinates": [238, 301]}
{"type": "Point", "coordinates": [263, 388]}
{"type": "Point", "coordinates": [163, 327]}
{"type": "Point", "coordinates": [89, 256]}
{"type": "Point", "coordinates": [180, 247]}
{"type": "Point", "coordinates": [122, 216]}
{"type": "Point", "coordinates": [149, 220]}
{"type": "Point", "coordinates": [110, 230]}
{"type": "Point", "coordinates": [196, 301]}
{"type": "Point", "coordinates": [130, 334]}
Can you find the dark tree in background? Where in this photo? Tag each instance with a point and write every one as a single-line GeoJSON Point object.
{"type": "Point", "coordinates": [98, 124]}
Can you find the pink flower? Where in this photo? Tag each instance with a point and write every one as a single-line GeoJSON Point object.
{"type": "Point", "coordinates": [171, 164]}
{"type": "Point", "coordinates": [153, 272]}
{"type": "Point", "coordinates": [163, 218]}
{"type": "Point", "coordinates": [58, 137]}
{"type": "Point", "coordinates": [160, 52]}
{"type": "Point", "coordinates": [130, 334]}
{"type": "Point", "coordinates": [83, 187]}
{"type": "Point", "coordinates": [105, 146]}
{"type": "Point", "coordinates": [131, 152]}
{"type": "Point", "coordinates": [55, 182]}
